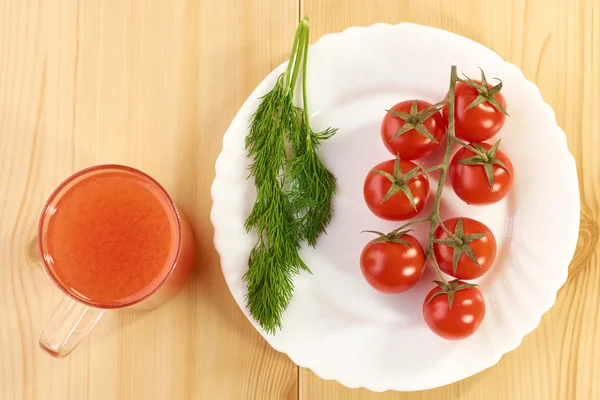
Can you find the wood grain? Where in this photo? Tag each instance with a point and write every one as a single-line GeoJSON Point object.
{"type": "Point", "coordinates": [153, 85]}
{"type": "Point", "coordinates": [556, 43]}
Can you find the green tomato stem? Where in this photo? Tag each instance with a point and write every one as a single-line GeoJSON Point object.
{"type": "Point", "coordinates": [428, 170]}
{"type": "Point", "coordinates": [467, 146]}
{"type": "Point", "coordinates": [412, 222]}
{"type": "Point", "coordinates": [434, 218]}
{"type": "Point", "coordinates": [450, 234]}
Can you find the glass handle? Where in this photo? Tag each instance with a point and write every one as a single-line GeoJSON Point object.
{"type": "Point", "coordinates": [70, 323]}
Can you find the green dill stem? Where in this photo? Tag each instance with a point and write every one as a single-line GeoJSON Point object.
{"type": "Point", "coordinates": [294, 56]}
{"type": "Point", "coordinates": [304, 96]}
{"type": "Point", "coordinates": [312, 184]}
{"type": "Point", "coordinates": [304, 32]}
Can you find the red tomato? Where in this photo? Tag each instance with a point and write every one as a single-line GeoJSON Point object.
{"type": "Point", "coordinates": [480, 122]}
{"type": "Point", "coordinates": [482, 249]}
{"type": "Point", "coordinates": [470, 182]}
{"type": "Point", "coordinates": [459, 321]}
{"type": "Point", "coordinates": [412, 145]}
{"type": "Point", "coordinates": [393, 267]}
{"type": "Point", "coordinates": [398, 206]}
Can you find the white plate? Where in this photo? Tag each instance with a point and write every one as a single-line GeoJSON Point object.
{"type": "Point", "coordinates": [336, 324]}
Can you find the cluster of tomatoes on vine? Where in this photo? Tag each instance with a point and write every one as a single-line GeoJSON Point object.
{"type": "Point", "coordinates": [398, 190]}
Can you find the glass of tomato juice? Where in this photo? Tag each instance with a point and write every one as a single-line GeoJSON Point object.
{"type": "Point", "coordinates": [110, 237]}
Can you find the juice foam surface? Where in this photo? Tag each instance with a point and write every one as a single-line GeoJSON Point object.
{"type": "Point", "coordinates": [112, 238]}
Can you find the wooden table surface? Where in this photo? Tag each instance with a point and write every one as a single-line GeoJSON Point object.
{"type": "Point", "coordinates": [154, 85]}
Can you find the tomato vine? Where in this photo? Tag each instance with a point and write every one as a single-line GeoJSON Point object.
{"type": "Point", "coordinates": [483, 157]}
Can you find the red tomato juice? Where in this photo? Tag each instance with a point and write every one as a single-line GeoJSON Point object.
{"type": "Point", "coordinates": [114, 238]}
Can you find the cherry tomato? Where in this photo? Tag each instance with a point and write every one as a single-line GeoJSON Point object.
{"type": "Point", "coordinates": [467, 231]}
{"type": "Point", "coordinates": [471, 183]}
{"type": "Point", "coordinates": [398, 206]}
{"type": "Point", "coordinates": [412, 145]}
{"type": "Point", "coordinates": [459, 321]}
{"type": "Point", "coordinates": [480, 122]}
{"type": "Point", "coordinates": [392, 267]}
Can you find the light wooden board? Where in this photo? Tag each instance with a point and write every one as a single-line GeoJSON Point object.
{"type": "Point", "coordinates": [154, 85]}
{"type": "Point", "coordinates": [557, 45]}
